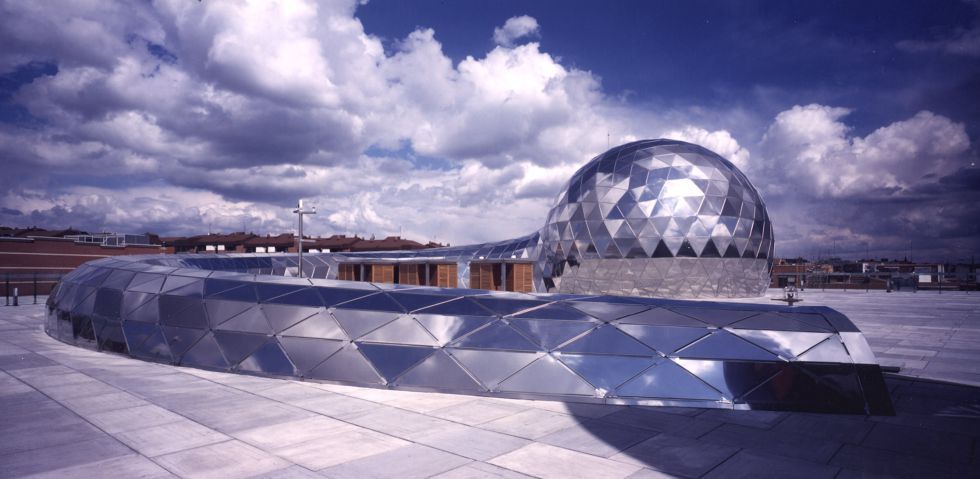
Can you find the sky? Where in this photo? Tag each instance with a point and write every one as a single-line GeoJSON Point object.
{"type": "Point", "coordinates": [459, 122]}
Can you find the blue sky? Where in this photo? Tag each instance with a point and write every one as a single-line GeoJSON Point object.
{"type": "Point", "coordinates": [458, 121]}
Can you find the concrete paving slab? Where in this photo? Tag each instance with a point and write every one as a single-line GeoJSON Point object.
{"type": "Point", "coordinates": [288, 433]}
{"type": "Point", "coordinates": [481, 470]}
{"type": "Point", "coordinates": [61, 456]}
{"type": "Point", "coordinates": [399, 422]}
{"type": "Point", "coordinates": [128, 419]}
{"type": "Point", "coordinates": [914, 441]}
{"type": "Point", "coordinates": [133, 465]}
{"type": "Point", "coordinates": [477, 411]}
{"type": "Point", "coordinates": [337, 406]}
{"type": "Point", "coordinates": [42, 434]}
{"type": "Point", "coordinates": [655, 420]}
{"type": "Point", "coordinates": [169, 437]}
{"type": "Point", "coordinates": [221, 460]}
{"type": "Point", "coordinates": [472, 442]}
{"type": "Point", "coordinates": [546, 461]}
{"type": "Point", "coordinates": [413, 461]}
{"type": "Point", "coordinates": [598, 438]}
{"type": "Point", "coordinates": [103, 402]}
{"type": "Point", "coordinates": [750, 465]}
{"type": "Point", "coordinates": [776, 443]}
{"type": "Point", "coordinates": [338, 446]}
{"type": "Point", "coordinates": [531, 423]}
{"type": "Point", "coordinates": [837, 428]}
{"type": "Point", "coordinates": [676, 455]}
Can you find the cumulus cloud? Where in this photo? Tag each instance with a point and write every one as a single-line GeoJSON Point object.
{"type": "Point", "coordinates": [811, 146]}
{"type": "Point", "coordinates": [718, 141]}
{"type": "Point", "coordinates": [515, 28]}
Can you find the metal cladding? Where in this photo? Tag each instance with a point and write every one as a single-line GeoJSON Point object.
{"type": "Point", "coordinates": [659, 218]}
{"type": "Point", "coordinates": [223, 316]}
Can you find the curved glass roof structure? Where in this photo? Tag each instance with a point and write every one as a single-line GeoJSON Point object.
{"type": "Point", "coordinates": [222, 316]}
{"type": "Point", "coordinates": [649, 218]}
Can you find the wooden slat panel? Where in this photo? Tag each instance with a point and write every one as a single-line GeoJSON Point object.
{"type": "Point", "coordinates": [349, 272]}
{"type": "Point", "coordinates": [519, 277]}
{"type": "Point", "coordinates": [408, 273]}
{"type": "Point", "coordinates": [382, 273]}
{"type": "Point", "coordinates": [445, 275]}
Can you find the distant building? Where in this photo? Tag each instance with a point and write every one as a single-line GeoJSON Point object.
{"type": "Point", "coordinates": [36, 256]}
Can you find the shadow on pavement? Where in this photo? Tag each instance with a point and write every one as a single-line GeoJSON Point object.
{"type": "Point", "coordinates": [935, 433]}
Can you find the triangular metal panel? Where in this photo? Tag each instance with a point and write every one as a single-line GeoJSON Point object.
{"type": "Point", "coordinates": [175, 282]}
{"type": "Point", "coordinates": [732, 378]}
{"type": "Point", "coordinates": [550, 333]}
{"type": "Point", "coordinates": [282, 316]}
{"type": "Point", "coordinates": [236, 346]}
{"type": "Point", "coordinates": [606, 372]}
{"type": "Point", "coordinates": [715, 316]}
{"type": "Point", "coordinates": [118, 279]}
{"type": "Point", "coordinates": [181, 339]}
{"type": "Point", "coordinates": [665, 339]}
{"type": "Point", "coordinates": [667, 380]}
{"type": "Point", "coordinates": [182, 311]}
{"type": "Point", "coordinates": [334, 296]}
{"type": "Point", "coordinates": [785, 321]}
{"type": "Point", "coordinates": [304, 297]}
{"type": "Point", "coordinates": [193, 290]}
{"type": "Point", "coordinates": [404, 330]}
{"type": "Point", "coordinates": [320, 325]}
{"type": "Point", "coordinates": [136, 332]}
{"type": "Point", "coordinates": [662, 317]}
{"type": "Point", "coordinates": [252, 321]}
{"type": "Point", "coordinates": [830, 350]}
{"type": "Point", "coordinates": [608, 340]}
{"type": "Point", "coordinates": [555, 311]}
{"type": "Point", "coordinates": [110, 337]}
{"type": "Point", "coordinates": [440, 371]}
{"type": "Point", "coordinates": [508, 306]}
{"type": "Point", "coordinates": [268, 359]}
{"type": "Point", "coordinates": [456, 307]}
{"type": "Point", "coordinates": [146, 283]}
{"type": "Point", "coordinates": [204, 353]}
{"type": "Point", "coordinates": [390, 361]}
{"type": "Point", "coordinates": [416, 301]}
{"type": "Point", "coordinates": [220, 311]}
{"type": "Point", "coordinates": [154, 348]}
{"type": "Point", "coordinates": [497, 335]}
{"type": "Point", "coordinates": [357, 323]}
{"type": "Point", "coordinates": [307, 353]}
{"type": "Point", "coordinates": [244, 292]}
{"type": "Point", "coordinates": [723, 345]}
{"type": "Point", "coordinates": [447, 328]}
{"type": "Point", "coordinates": [492, 367]}
{"type": "Point", "coordinates": [347, 365]}
{"type": "Point", "coordinates": [785, 344]}
{"type": "Point", "coordinates": [267, 291]}
{"type": "Point", "coordinates": [378, 302]}
{"type": "Point", "coordinates": [607, 311]}
{"type": "Point", "coordinates": [547, 375]}
{"type": "Point", "coordinates": [148, 312]}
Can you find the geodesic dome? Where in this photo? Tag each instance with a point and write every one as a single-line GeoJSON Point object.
{"type": "Point", "coordinates": [662, 218]}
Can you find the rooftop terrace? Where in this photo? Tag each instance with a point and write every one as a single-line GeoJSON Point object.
{"type": "Point", "coordinates": [108, 414]}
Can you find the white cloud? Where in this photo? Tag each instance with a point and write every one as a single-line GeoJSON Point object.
{"type": "Point", "coordinates": [810, 146]}
{"type": "Point", "coordinates": [515, 28]}
{"type": "Point", "coordinates": [718, 141]}
{"type": "Point", "coordinates": [965, 42]}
